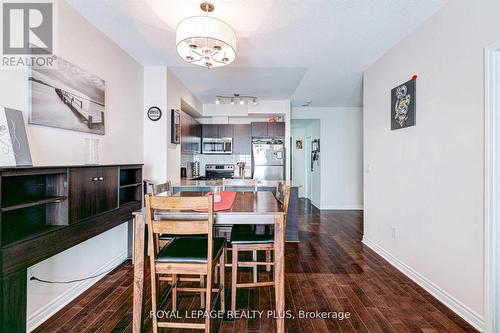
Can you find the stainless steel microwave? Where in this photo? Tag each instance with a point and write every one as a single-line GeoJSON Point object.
{"type": "Point", "coordinates": [217, 146]}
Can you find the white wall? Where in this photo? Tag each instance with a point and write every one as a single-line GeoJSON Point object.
{"type": "Point", "coordinates": [299, 166]}
{"type": "Point", "coordinates": [427, 181]}
{"type": "Point", "coordinates": [341, 157]}
{"type": "Point", "coordinates": [83, 45]}
{"type": "Point", "coordinates": [155, 132]}
{"type": "Point", "coordinates": [309, 181]}
{"type": "Point", "coordinates": [176, 91]}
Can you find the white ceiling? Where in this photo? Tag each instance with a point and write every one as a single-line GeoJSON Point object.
{"type": "Point", "coordinates": [287, 49]}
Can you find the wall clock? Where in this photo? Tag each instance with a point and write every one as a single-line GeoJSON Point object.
{"type": "Point", "coordinates": [154, 113]}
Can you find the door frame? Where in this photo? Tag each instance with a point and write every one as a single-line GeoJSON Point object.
{"type": "Point", "coordinates": [491, 187]}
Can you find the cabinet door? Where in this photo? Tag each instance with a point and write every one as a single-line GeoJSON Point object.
{"type": "Point", "coordinates": [242, 141]}
{"type": "Point", "coordinates": [210, 131]}
{"type": "Point", "coordinates": [276, 129]}
{"type": "Point", "coordinates": [197, 137]}
{"type": "Point", "coordinates": [107, 189]}
{"type": "Point", "coordinates": [259, 129]}
{"type": "Point", "coordinates": [92, 191]}
{"type": "Point", "coordinates": [226, 131]}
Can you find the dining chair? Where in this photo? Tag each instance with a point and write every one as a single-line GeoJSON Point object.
{"type": "Point", "coordinates": [165, 189]}
{"type": "Point", "coordinates": [185, 255]}
{"type": "Point", "coordinates": [239, 185]}
{"type": "Point", "coordinates": [250, 238]}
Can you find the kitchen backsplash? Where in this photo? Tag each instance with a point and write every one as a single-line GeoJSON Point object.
{"type": "Point", "coordinates": [219, 159]}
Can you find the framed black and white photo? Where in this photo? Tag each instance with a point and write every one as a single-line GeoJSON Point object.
{"type": "Point", "coordinates": [14, 147]}
{"type": "Point", "coordinates": [175, 127]}
{"type": "Point", "coordinates": [403, 104]}
{"type": "Point", "coordinates": [67, 97]}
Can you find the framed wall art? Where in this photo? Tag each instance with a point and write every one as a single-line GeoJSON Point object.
{"type": "Point", "coordinates": [175, 127]}
{"type": "Point", "coordinates": [67, 97]}
{"type": "Point", "coordinates": [14, 147]}
{"type": "Point", "coordinates": [403, 105]}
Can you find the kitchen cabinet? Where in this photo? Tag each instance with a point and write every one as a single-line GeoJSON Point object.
{"type": "Point", "coordinates": [210, 131]}
{"type": "Point", "coordinates": [93, 191]}
{"type": "Point", "coordinates": [242, 140]}
{"type": "Point", "coordinates": [225, 131]}
{"type": "Point", "coordinates": [259, 129]}
{"type": "Point", "coordinates": [268, 129]}
{"type": "Point", "coordinates": [276, 129]}
{"type": "Point", "coordinates": [217, 131]}
{"type": "Point", "coordinates": [190, 134]}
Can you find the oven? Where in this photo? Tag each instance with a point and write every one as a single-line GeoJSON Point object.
{"type": "Point", "coordinates": [217, 146]}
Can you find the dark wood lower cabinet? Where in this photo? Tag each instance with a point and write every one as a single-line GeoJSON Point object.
{"type": "Point", "coordinates": [37, 222]}
{"type": "Point", "coordinates": [13, 316]}
{"type": "Point", "coordinates": [93, 191]}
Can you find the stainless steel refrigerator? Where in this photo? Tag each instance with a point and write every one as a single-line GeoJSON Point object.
{"type": "Point", "coordinates": [268, 159]}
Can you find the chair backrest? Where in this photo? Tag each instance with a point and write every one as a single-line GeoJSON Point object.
{"type": "Point", "coordinates": [286, 200]}
{"type": "Point", "coordinates": [178, 217]}
{"type": "Point", "coordinates": [280, 192]}
{"type": "Point", "coordinates": [230, 183]}
{"type": "Point", "coordinates": [155, 189]}
{"type": "Point", "coordinates": [162, 188]}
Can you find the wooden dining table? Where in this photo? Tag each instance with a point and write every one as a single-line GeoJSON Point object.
{"type": "Point", "coordinates": [248, 208]}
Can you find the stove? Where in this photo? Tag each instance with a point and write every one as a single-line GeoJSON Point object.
{"type": "Point", "coordinates": [217, 171]}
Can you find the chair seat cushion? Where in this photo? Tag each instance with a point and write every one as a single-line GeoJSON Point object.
{"type": "Point", "coordinates": [190, 250]}
{"type": "Point", "coordinates": [251, 234]}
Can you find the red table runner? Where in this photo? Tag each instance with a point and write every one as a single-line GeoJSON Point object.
{"type": "Point", "coordinates": [225, 203]}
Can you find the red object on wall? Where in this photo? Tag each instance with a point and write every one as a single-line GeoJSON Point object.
{"type": "Point", "coordinates": [414, 77]}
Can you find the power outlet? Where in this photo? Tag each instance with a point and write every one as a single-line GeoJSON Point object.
{"type": "Point", "coordinates": [394, 233]}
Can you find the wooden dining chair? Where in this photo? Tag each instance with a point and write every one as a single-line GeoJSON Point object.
{"type": "Point", "coordinates": [249, 238]}
{"type": "Point", "coordinates": [165, 189]}
{"type": "Point", "coordinates": [184, 255]}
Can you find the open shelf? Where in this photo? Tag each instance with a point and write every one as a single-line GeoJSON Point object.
{"type": "Point", "coordinates": [131, 185]}
{"type": "Point", "coordinates": [32, 205]}
{"type": "Point", "coordinates": [13, 236]}
{"type": "Point", "coordinates": [52, 199]}
{"type": "Point", "coordinates": [130, 177]}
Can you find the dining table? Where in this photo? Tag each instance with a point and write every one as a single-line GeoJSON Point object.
{"type": "Point", "coordinates": [253, 208]}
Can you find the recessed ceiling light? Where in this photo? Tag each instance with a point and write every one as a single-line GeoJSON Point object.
{"type": "Point", "coordinates": [242, 101]}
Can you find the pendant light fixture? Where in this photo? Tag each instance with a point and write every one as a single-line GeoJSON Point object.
{"type": "Point", "coordinates": [206, 41]}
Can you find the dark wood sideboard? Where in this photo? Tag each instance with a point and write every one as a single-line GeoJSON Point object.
{"type": "Point", "coordinates": [46, 210]}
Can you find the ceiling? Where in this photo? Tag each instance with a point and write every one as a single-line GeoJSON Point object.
{"type": "Point", "coordinates": [287, 49]}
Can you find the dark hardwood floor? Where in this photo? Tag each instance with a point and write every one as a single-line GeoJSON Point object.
{"type": "Point", "coordinates": [330, 270]}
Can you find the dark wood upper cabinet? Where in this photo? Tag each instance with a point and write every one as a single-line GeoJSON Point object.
{"type": "Point", "coordinates": [276, 129]}
{"type": "Point", "coordinates": [210, 131]}
{"type": "Point", "coordinates": [92, 191]}
{"type": "Point", "coordinates": [242, 141]}
{"type": "Point", "coordinates": [217, 131]}
{"type": "Point", "coordinates": [190, 134]}
{"type": "Point", "coordinates": [268, 129]}
{"type": "Point", "coordinates": [259, 129]}
{"type": "Point", "coordinates": [225, 131]}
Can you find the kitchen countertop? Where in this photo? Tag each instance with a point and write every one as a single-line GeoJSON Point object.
{"type": "Point", "coordinates": [232, 182]}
